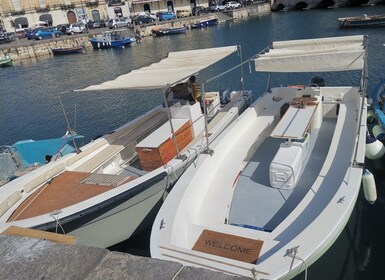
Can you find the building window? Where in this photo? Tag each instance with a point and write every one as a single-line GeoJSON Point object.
{"type": "Point", "coordinates": [95, 15]}
{"type": "Point", "coordinates": [42, 3]}
{"type": "Point", "coordinates": [16, 5]}
{"type": "Point", "coordinates": [146, 8]}
{"type": "Point", "coordinates": [118, 12]}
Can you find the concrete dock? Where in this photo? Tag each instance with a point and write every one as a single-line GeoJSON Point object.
{"type": "Point", "coordinates": [29, 258]}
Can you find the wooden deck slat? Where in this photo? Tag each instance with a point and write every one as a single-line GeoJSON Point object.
{"type": "Point", "coordinates": [63, 191]}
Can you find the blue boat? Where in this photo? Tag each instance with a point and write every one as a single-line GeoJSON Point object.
{"type": "Point", "coordinates": [378, 106]}
{"type": "Point", "coordinates": [26, 155]}
{"type": "Point", "coordinates": [204, 23]}
{"type": "Point", "coordinates": [111, 39]}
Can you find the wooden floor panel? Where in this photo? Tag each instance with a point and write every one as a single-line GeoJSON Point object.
{"type": "Point", "coordinates": [63, 191]}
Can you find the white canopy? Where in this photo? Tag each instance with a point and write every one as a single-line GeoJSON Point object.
{"type": "Point", "coordinates": [314, 55]}
{"type": "Point", "coordinates": [175, 68]}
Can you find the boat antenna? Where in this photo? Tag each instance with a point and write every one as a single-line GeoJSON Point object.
{"type": "Point", "coordinates": [241, 60]}
{"type": "Point", "coordinates": [68, 125]}
{"type": "Point", "coordinates": [75, 117]}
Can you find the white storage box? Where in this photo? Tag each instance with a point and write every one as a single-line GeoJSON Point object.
{"type": "Point", "coordinates": [286, 167]}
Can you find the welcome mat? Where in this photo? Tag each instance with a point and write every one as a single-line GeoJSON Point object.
{"type": "Point", "coordinates": [229, 246]}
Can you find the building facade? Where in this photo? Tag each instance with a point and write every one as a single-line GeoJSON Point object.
{"type": "Point", "coordinates": [16, 14]}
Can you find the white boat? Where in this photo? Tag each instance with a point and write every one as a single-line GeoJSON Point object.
{"type": "Point", "coordinates": [114, 186]}
{"type": "Point", "coordinates": [283, 178]}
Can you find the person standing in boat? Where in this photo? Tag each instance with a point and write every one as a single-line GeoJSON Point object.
{"type": "Point", "coordinates": [194, 91]}
{"type": "Point", "coordinates": [188, 91]}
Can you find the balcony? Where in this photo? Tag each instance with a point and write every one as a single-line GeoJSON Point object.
{"type": "Point", "coordinates": [67, 7]}
{"type": "Point", "coordinates": [113, 3]}
{"type": "Point", "coordinates": [17, 13]}
{"type": "Point", "coordinates": [43, 10]}
{"type": "Point", "coordinates": [92, 3]}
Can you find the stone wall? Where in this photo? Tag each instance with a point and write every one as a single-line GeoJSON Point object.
{"type": "Point", "coordinates": [42, 48]}
{"type": "Point", "coordinates": [253, 10]}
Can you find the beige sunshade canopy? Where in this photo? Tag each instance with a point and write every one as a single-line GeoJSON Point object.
{"type": "Point", "coordinates": [314, 55]}
{"type": "Point", "coordinates": [176, 67]}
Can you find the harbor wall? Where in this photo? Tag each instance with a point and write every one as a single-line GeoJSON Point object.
{"type": "Point", "coordinates": [42, 48]}
{"type": "Point", "coordinates": [30, 258]}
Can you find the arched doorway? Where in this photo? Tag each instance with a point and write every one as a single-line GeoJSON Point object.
{"type": "Point", "coordinates": [170, 6]}
{"type": "Point", "coordinates": [95, 15]}
{"type": "Point", "coordinates": [21, 22]}
{"type": "Point", "coordinates": [47, 18]}
{"type": "Point", "coordinates": [146, 8]}
{"type": "Point", "coordinates": [71, 16]}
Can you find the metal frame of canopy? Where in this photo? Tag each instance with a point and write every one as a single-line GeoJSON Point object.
{"type": "Point", "coordinates": [180, 66]}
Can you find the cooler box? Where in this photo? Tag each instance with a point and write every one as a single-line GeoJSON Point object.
{"type": "Point", "coordinates": [286, 167]}
{"type": "Point", "coordinates": [158, 148]}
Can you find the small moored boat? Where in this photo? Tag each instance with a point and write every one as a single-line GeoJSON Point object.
{"type": "Point", "coordinates": [112, 39]}
{"type": "Point", "coordinates": [168, 31]}
{"type": "Point", "coordinates": [61, 51]}
{"type": "Point", "coordinates": [204, 23]}
{"type": "Point", "coordinates": [26, 155]}
{"type": "Point", "coordinates": [7, 61]}
{"type": "Point", "coordinates": [362, 21]}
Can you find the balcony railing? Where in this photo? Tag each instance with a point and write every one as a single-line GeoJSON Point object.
{"type": "Point", "coordinates": [112, 3]}
{"type": "Point", "coordinates": [43, 10]}
{"type": "Point", "coordinates": [67, 7]}
{"type": "Point", "coordinates": [17, 13]}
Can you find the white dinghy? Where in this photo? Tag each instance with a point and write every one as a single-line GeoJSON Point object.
{"type": "Point", "coordinates": [113, 188]}
{"type": "Point", "coordinates": [282, 180]}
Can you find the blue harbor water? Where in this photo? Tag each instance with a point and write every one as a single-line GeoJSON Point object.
{"type": "Point", "coordinates": [30, 107]}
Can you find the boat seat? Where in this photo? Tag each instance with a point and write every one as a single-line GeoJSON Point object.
{"type": "Point", "coordinates": [127, 138]}
{"type": "Point", "coordinates": [9, 202]}
{"type": "Point", "coordinates": [96, 145]}
{"type": "Point", "coordinates": [100, 158]}
{"type": "Point", "coordinates": [44, 177]}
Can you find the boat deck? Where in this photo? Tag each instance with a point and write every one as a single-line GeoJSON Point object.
{"type": "Point", "coordinates": [255, 203]}
{"type": "Point", "coordinates": [66, 189]}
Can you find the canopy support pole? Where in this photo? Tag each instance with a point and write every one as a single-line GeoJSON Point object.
{"type": "Point", "coordinates": [178, 155]}
{"type": "Point", "coordinates": [207, 149]}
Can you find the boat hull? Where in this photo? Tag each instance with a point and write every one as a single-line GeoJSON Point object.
{"type": "Point", "coordinates": [205, 23]}
{"type": "Point", "coordinates": [117, 219]}
{"type": "Point", "coordinates": [6, 62]}
{"type": "Point", "coordinates": [64, 51]}
{"type": "Point", "coordinates": [368, 21]}
{"type": "Point", "coordinates": [168, 31]}
{"type": "Point", "coordinates": [101, 44]}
